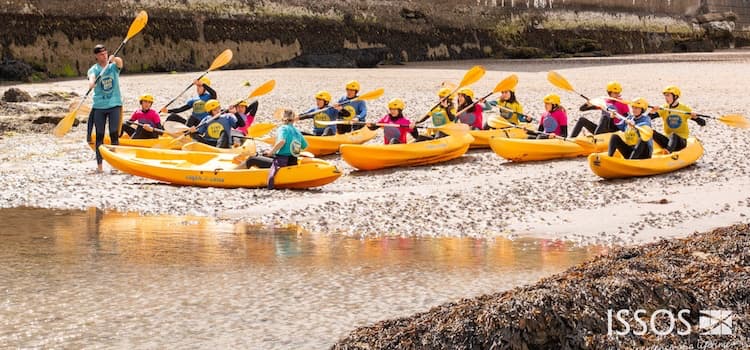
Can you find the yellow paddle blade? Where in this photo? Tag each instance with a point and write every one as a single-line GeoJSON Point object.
{"type": "Point", "coordinates": [173, 127]}
{"type": "Point", "coordinates": [645, 132]}
{"type": "Point", "coordinates": [371, 95]}
{"type": "Point", "coordinates": [472, 76]}
{"type": "Point", "coordinates": [499, 123]}
{"type": "Point", "coordinates": [306, 154]}
{"type": "Point", "coordinates": [138, 24]}
{"type": "Point", "coordinates": [260, 129]}
{"type": "Point", "coordinates": [221, 60]}
{"type": "Point", "coordinates": [65, 124]}
{"type": "Point", "coordinates": [735, 120]}
{"type": "Point", "coordinates": [506, 84]}
{"type": "Point", "coordinates": [558, 80]}
{"type": "Point", "coordinates": [263, 89]}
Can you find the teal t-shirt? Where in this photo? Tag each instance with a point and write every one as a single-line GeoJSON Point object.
{"type": "Point", "coordinates": [294, 142]}
{"type": "Point", "coordinates": [107, 89]}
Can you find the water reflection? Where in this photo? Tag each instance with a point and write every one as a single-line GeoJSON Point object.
{"type": "Point", "coordinates": [93, 278]}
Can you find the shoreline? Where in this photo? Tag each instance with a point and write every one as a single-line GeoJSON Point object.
{"type": "Point", "coordinates": [705, 271]}
{"type": "Point", "coordinates": [478, 195]}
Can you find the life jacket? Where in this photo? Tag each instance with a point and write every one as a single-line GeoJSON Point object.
{"type": "Point", "coordinates": [472, 117]}
{"type": "Point", "coordinates": [510, 116]}
{"type": "Point", "coordinates": [219, 130]}
{"type": "Point", "coordinates": [392, 132]}
{"type": "Point", "coordinates": [440, 116]}
{"type": "Point", "coordinates": [676, 122]}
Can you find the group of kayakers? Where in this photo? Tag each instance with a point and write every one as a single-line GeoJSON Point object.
{"type": "Point", "coordinates": [210, 124]}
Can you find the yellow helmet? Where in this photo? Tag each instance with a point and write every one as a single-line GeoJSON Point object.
{"type": "Point", "coordinates": [672, 90]}
{"type": "Point", "coordinates": [146, 97]}
{"type": "Point", "coordinates": [639, 102]}
{"type": "Point", "coordinates": [553, 99]}
{"type": "Point", "coordinates": [352, 85]}
{"type": "Point", "coordinates": [396, 103]}
{"type": "Point", "coordinates": [241, 102]}
{"type": "Point", "coordinates": [614, 86]}
{"type": "Point", "coordinates": [468, 92]}
{"type": "Point", "coordinates": [211, 105]}
{"type": "Point", "coordinates": [323, 95]}
{"type": "Point", "coordinates": [444, 92]}
{"type": "Point", "coordinates": [205, 81]}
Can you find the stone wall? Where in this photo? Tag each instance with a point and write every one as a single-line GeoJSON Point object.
{"type": "Point", "coordinates": [53, 38]}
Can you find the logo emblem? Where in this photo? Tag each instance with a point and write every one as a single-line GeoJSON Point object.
{"type": "Point", "coordinates": [715, 322]}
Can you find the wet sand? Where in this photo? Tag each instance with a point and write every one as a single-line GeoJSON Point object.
{"type": "Point", "coordinates": [479, 194]}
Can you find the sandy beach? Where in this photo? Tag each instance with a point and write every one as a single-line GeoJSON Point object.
{"type": "Point", "coordinates": [479, 194]}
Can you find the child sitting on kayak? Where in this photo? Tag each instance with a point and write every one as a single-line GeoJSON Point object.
{"type": "Point", "coordinates": [606, 122]}
{"type": "Point", "coordinates": [395, 134]}
{"type": "Point", "coordinates": [629, 141]}
{"type": "Point", "coordinates": [205, 93]}
{"type": "Point", "coordinates": [472, 116]}
{"type": "Point", "coordinates": [357, 109]}
{"type": "Point", "coordinates": [322, 112]}
{"type": "Point", "coordinates": [215, 129]}
{"type": "Point", "coordinates": [289, 144]}
{"type": "Point", "coordinates": [142, 123]}
{"type": "Point", "coordinates": [674, 116]}
{"type": "Point", "coordinates": [510, 108]}
{"type": "Point", "coordinates": [442, 114]}
{"type": "Point", "coordinates": [554, 121]}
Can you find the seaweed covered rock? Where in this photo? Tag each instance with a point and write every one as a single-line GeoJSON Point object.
{"type": "Point", "coordinates": [574, 309]}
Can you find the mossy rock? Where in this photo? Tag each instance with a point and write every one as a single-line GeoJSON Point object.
{"type": "Point", "coordinates": [578, 45]}
{"type": "Point", "coordinates": [524, 52]}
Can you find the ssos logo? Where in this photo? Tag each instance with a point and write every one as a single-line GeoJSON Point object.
{"type": "Point", "coordinates": [663, 322]}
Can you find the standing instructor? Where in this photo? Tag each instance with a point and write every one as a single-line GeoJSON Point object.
{"type": "Point", "coordinates": [107, 106]}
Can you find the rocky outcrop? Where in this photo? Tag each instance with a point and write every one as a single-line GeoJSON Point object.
{"type": "Point", "coordinates": [576, 309]}
{"type": "Point", "coordinates": [54, 38]}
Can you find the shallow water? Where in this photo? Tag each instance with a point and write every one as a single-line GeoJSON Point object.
{"type": "Point", "coordinates": [93, 279]}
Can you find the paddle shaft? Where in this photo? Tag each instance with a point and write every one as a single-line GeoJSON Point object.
{"type": "Point", "coordinates": [309, 115]}
{"type": "Point", "coordinates": [183, 91]}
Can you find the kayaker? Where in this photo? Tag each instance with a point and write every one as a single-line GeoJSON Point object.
{"type": "Point", "coordinates": [606, 122]}
{"type": "Point", "coordinates": [629, 141]}
{"type": "Point", "coordinates": [143, 121]}
{"type": "Point", "coordinates": [322, 113]}
{"type": "Point", "coordinates": [395, 116]}
{"type": "Point", "coordinates": [289, 144]}
{"type": "Point", "coordinates": [554, 121]}
{"type": "Point", "coordinates": [510, 108]}
{"type": "Point", "coordinates": [473, 116]}
{"type": "Point", "coordinates": [107, 105]}
{"type": "Point", "coordinates": [244, 117]}
{"type": "Point", "coordinates": [442, 114]}
{"type": "Point", "coordinates": [215, 129]}
{"type": "Point", "coordinates": [676, 131]}
{"type": "Point", "coordinates": [357, 109]}
{"type": "Point", "coordinates": [205, 93]}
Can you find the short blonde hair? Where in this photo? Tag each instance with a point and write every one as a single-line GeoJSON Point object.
{"type": "Point", "coordinates": [288, 116]}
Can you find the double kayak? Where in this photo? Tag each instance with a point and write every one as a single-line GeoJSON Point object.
{"type": "Point", "coordinates": [372, 157]}
{"type": "Point", "coordinates": [617, 167]}
{"type": "Point", "coordinates": [163, 141]}
{"type": "Point", "coordinates": [247, 147]}
{"type": "Point", "coordinates": [523, 150]}
{"type": "Point", "coordinates": [205, 169]}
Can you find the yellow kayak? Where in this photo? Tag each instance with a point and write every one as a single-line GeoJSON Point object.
{"type": "Point", "coordinates": [248, 147]}
{"type": "Point", "coordinates": [371, 157]}
{"type": "Point", "coordinates": [523, 150]}
{"type": "Point", "coordinates": [617, 167]}
{"type": "Point", "coordinates": [213, 169]}
{"type": "Point", "coordinates": [125, 140]}
{"type": "Point", "coordinates": [482, 137]}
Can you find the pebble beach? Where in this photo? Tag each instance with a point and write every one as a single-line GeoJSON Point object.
{"type": "Point", "coordinates": [479, 194]}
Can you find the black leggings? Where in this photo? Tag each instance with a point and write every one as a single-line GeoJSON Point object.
{"type": "Point", "coordinates": [606, 124]}
{"type": "Point", "coordinates": [639, 151]}
{"type": "Point", "coordinates": [673, 143]}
